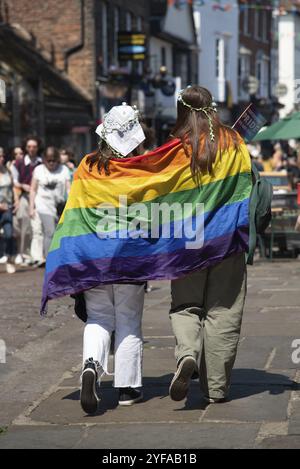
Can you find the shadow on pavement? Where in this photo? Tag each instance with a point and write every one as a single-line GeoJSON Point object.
{"type": "Point", "coordinates": [245, 383]}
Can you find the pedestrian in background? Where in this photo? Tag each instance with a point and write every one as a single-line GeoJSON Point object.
{"type": "Point", "coordinates": [278, 157]}
{"type": "Point", "coordinates": [67, 159]}
{"type": "Point", "coordinates": [255, 156]}
{"type": "Point", "coordinates": [16, 155]}
{"type": "Point", "coordinates": [29, 232]}
{"type": "Point", "coordinates": [6, 214]}
{"type": "Point", "coordinates": [49, 189]}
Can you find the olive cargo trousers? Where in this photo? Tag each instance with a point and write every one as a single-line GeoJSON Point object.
{"type": "Point", "coordinates": [206, 316]}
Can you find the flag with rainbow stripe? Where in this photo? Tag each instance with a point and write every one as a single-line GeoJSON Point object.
{"type": "Point", "coordinates": [149, 219]}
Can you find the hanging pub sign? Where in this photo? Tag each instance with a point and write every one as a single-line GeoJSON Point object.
{"type": "Point", "coordinates": [131, 46]}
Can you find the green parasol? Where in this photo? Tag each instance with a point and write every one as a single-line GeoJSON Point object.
{"type": "Point", "coordinates": [284, 129]}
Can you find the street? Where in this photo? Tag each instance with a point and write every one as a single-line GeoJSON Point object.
{"type": "Point", "coordinates": [40, 380]}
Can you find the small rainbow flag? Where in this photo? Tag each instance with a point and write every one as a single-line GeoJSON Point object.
{"type": "Point", "coordinates": [114, 227]}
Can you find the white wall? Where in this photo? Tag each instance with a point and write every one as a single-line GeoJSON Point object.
{"type": "Point", "coordinates": [286, 59]}
{"type": "Point", "coordinates": [297, 63]}
{"type": "Point", "coordinates": [274, 56]}
{"type": "Point", "coordinates": [178, 23]}
{"type": "Point", "coordinates": [212, 25]}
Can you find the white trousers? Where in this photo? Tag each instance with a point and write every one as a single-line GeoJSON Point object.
{"type": "Point", "coordinates": [116, 308]}
{"type": "Point", "coordinates": [36, 248]}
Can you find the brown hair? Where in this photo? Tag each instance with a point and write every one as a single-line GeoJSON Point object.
{"type": "Point", "coordinates": [100, 157]}
{"type": "Point", "coordinates": [192, 128]}
{"type": "Point", "coordinates": [54, 151]}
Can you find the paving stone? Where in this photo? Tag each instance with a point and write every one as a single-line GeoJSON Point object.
{"type": "Point", "coordinates": [294, 424]}
{"type": "Point", "coordinates": [252, 404]}
{"type": "Point", "coordinates": [253, 352]}
{"type": "Point", "coordinates": [280, 442]}
{"type": "Point", "coordinates": [45, 437]}
{"type": "Point", "coordinates": [63, 407]}
{"type": "Point", "coordinates": [195, 436]}
{"type": "Point", "coordinates": [261, 328]}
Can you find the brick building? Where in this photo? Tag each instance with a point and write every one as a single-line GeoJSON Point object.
{"type": "Point", "coordinates": [65, 29]}
{"type": "Point", "coordinates": [78, 38]}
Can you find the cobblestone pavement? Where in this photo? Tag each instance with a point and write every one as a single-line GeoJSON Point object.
{"type": "Point", "coordinates": [40, 380]}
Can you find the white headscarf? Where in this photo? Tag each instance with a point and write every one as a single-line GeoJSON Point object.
{"type": "Point", "coordinates": [121, 129]}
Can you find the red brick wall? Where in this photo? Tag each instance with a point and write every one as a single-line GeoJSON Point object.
{"type": "Point", "coordinates": [56, 24]}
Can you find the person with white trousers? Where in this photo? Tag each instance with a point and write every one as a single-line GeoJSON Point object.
{"type": "Point", "coordinates": [114, 308]}
{"type": "Point", "coordinates": [111, 308]}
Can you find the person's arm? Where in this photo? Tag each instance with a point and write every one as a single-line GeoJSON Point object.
{"type": "Point", "coordinates": [3, 207]}
{"type": "Point", "coordinates": [68, 186]}
{"type": "Point", "coordinates": [16, 194]}
{"type": "Point", "coordinates": [25, 187]}
{"type": "Point", "coordinates": [17, 184]}
{"type": "Point", "coordinates": [32, 196]}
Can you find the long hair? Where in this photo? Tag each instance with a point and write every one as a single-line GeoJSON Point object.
{"type": "Point", "coordinates": [100, 157]}
{"type": "Point", "coordinates": [192, 128]}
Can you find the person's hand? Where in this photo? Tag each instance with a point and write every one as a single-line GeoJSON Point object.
{"type": "Point", "coordinates": [16, 206]}
{"type": "Point", "coordinates": [32, 213]}
{"type": "Point", "coordinates": [3, 207]}
{"type": "Point", "coordinates": [26, 187]}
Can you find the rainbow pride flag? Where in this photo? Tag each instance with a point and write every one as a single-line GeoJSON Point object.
{"type": "Point", "coordinates": [99, 241]}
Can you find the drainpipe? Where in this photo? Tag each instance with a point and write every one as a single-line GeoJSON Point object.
{"type": "Point", "coordinates": [80, 46]}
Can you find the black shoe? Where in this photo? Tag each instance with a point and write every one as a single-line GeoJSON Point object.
{"type": "Point", "coordinates": [180, 384]}
{"type": "Point", "coordinates": [129, 396]}
{"type": "Point", "coordinates": [88, 396]}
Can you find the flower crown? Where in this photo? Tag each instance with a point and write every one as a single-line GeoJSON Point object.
{"type": "Point", "coordinates": [205, 110]}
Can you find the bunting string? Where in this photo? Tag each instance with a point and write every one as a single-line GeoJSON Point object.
{"type": "Point", "coordinates": [276, 7]}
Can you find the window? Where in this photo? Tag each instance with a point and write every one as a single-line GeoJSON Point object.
{"type": "Point", "coordinates": [163, 56]}
{"type": "Point", "coordinates": [218, 57]}
{"type": "Point", "coordinates": [262, 74]}
{"type": "Point", "coordinates": [258, 70]}
{"type": "Point", "coordinates": [139, 24]}
{"type": "Point", "coordinates": [129, 24]}
{"type": "Point", "coordinates": [128, 21]}
{"type": "Point", "coordinates": [265, 26]}
{"type": "Point", "coordinates": [256, 25]}
{"type": "Point", "coordinates": [246, 21]}
{"type": "Point", "coordinates": [139, 28]}
{"type": "Point", "coordinates": [226, 59]}
{"type": "Point", "coordinates": [243, 72]}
